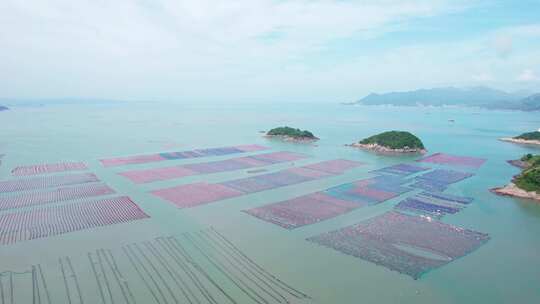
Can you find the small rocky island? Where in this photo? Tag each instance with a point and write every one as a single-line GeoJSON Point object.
{"type": "Point", "coordinates": [292, 134]}
{"type": "Point", "coordinates": [527, 183]}
{"type": "Point", "coordinates": [392, 142]}
{"type": "Point", "coordinates": [529, 138]}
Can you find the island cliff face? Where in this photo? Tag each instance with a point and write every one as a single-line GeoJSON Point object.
{"type": "Point", "coordinates": [527, 183]}
{"type": "Point", "coordinates": [392, 142]}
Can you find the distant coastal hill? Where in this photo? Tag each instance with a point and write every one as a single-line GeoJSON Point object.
{"type": "Point", "coordinates": [471, 97]}
{"type": "Point", "coordinates": [2, 108]}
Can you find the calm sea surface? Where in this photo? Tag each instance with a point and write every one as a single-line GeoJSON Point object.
{"type": "Point", "coordinates": [505, 270]}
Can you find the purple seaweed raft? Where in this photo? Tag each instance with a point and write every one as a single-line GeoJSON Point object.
{"type": "Point", "coordinates": [191, 195]}
{"type": "Point", "coordinates": [55, 220]}
{"type": "Point", "coordinates": [149, 158]}
{"type": "Point", "coordinates": [453, 160]}
{"type": "Point", "coordinates": [411, 245]}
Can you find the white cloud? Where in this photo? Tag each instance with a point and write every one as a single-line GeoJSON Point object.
{"type": "Point", "coordinates": [244, 48]}
{"type": "Point", "coordinates": [503, 45]}
{"type": "Point", "coordinates": [483, 77]}
{"type": "Point", "coordinates": [528, 75]}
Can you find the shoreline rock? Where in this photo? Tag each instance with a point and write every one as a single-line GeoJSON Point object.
{"type": "Point", "coordinates": [385, 150]}
{"type": "Point", "coordinates": [512, 190]}
{"type": "Point", "coordinates": [519, 163]}
{"type": "Point", "coordinates": [303, 140]}
{"type": "Point", "coordinates": [520, 141]}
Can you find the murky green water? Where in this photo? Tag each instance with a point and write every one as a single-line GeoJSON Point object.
{"type": "Point", "coordinates": [505, 270]}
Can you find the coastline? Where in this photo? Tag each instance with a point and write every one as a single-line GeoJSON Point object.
{"type": "Point", "coordinates": [301, 140]}
{"type": "Point", "coordinates": [520, 141]}
{"type": "Point", "coordinates": [512, 190]}
{"type": "Point", "coordinates": [385, 150]}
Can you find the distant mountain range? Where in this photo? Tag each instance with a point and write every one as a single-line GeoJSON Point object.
{"type": "Point", "coordinates": [472, 97]}
{"type": "Point", "coordinates": [2, 108]}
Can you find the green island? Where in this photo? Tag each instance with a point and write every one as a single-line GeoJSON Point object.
{"type": "Point", "coordinates": [527, 183]}
{"type": "Point", "coordinates": [529, 136]}
{"type": "Point", "coordinates": [393, 142]}
{"type": "Point", "coordinates": [532, 138]}
{"type": "Point", "coordinates": [292, 134]}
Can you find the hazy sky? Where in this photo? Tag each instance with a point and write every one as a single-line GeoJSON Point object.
{"type": "Point", "coordinates": [263, 50]}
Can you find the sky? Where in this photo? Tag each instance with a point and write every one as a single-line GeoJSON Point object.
{"type": "Point", "coordinates": [264, 50]}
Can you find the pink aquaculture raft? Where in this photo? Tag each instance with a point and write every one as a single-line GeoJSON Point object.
{"type": "Point", "coordinates": [149, 158]}
{"type": "Point", "coordinates": [55, 220]}
{"type": "Point", "coordinates": [447, 159]}
{"type": "Point", "coordinates": [248, 162]}
{"type": "Point", "coordinates": [49, 168]}
{"type": "Point", "coordinates": [191, 195]}
{"type": "Point", "coordinates": [53, 196]}
{"type": "Point", "coordinates": [42, 182]}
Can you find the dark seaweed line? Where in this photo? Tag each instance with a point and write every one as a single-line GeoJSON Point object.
{"type": "Point", "coordinates": [198, 267]}
{"type": "Point", "coordinates": [204, 291]}
{"type": "Point", "coordinates": [35, 288]}
{"type": "Point", "coordinates": [100, 288]}
{"type": "Point", "coordinates": [105, 279]}
{"type": "Point", "coordinates": [66, 285]}
{"type": "Point", "coordinates": [121, 276]}
{"type": "Point", "coordinates": [113, 270]}
{"type": "Point", "coordinates": [42, 276]}
{"type": "Point", "coordinates": [140, 274]}
{"type": "Point", "coordinates": [75, 279]}
{"type": "Point", "coordinates": [170, 270]}
{"type": "Point", "coordinates": [251, 277]}
{"type": "Point", "coordinates": [2, 290]}
{"type": "Point", "coordinates": [245, 265]}
{"type": "Point", "coordinates": [137, 258]}
{"type": "Point", "coordinates": [156, 271]}
{"type": "Point", "coordinates": [226, 272]}
{"type": "Point", "coordinates": [180, 263]}
{"type": "Point", "coordinates": [291, 290]}
{"type": "Point", "coordinates": [11, 286]}
{"type": "Point", "coordinates": [65, 280]}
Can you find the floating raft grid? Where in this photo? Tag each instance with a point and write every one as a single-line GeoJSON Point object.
{"type": "Point", "coordinates": [304, 210]}
{"type": "Point", "coordinates": [369, 191]}
{"type": "Point", "coordinates": [141, 159]}
{"type": "Point", "coordinates": [159, 174]}
{"type": "Point", "coordinates": [438, 180]}
{"type": "Point", "coordinates": [315, 207]}
{"type": "Point", "coordinates": [191, 195]}
{"type": "Point", "coordinates": [55, 220]}
{"type": "Point", "coordinates": [453, 160]}
{"type": "Point", "coordinates": [428, 205]}
{"type": "Point", "coordinates": [54, 196]}
{"type": "Point", "coordinates": [200, 267]}
{"type": "Point", "coordinates": [382, 240]}
{"type": "Point", "coordinates": [401, 169]}
{"type": "Point", "coordinates": [49, 168]}
{"type": "Point", "coordinates": [42, 182]}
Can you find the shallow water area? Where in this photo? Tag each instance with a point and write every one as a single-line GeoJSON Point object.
{"type": "Point", "coordinates": [505, 269]}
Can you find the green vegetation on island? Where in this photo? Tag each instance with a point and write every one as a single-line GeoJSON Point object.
{"type": "Point", "coordinates": [529, 179]}
{"type": "Point", "coordinates": [292, 133]}
{"type": "Point", "coordinates": [395, 140]}
{"type": "Point", "coordinates": [529, 136]}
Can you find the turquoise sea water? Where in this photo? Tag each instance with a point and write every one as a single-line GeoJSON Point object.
{"type": "Point", "coordinates": [505, 270]}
